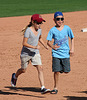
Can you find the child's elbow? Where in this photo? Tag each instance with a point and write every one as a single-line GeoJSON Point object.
{"type": "Point", "coordinates": [48, 43]}
{"type": "Point", "coordinates": [24, 44]}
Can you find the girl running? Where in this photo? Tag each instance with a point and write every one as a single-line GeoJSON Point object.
{"type": "Point", "coordinates": [30, 51]}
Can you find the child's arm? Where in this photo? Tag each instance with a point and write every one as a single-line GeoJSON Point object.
{"type": "Point", "coordinates": [27, 45]}
{"type": "Point", "coordinates": [42, 42]}
{"type": "Point", "coordinates": [55, 47]}
{"type": "Point", "coordinates": [72, 47]}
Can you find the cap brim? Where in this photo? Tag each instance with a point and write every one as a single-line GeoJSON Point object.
{"type": "Point", "coordinates": [40, 20]}
{"type": "Point", "coordinates": [44, 21]}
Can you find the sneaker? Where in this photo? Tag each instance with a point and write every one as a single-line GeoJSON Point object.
{"type": "Point", "coordinates": [44, 90]}
{"type": "Point", "coordinates": [13, 81]}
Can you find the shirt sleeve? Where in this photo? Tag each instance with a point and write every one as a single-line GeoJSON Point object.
{"type": "Point", "coordinates": [70, 33]}
{"type": "Point", "coordinates": [27, 32]}
{"type": "Point", "coordinates": [50, 35]}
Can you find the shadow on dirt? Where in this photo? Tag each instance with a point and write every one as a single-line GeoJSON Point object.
{"type": "Point", "coordinates": [84, 92]}
{"type": "Point", "coordinates": [76, 98]}
{"type": "Point", "coordinates": [33, 89]}
{"type": "Point", "coordinates": [15, 90]}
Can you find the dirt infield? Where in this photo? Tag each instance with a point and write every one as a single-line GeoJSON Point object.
{"type": "Point", "coordinates": [72, 86]}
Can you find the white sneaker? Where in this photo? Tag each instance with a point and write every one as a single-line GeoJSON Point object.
{"type": "Point", "coordinates": [44, 90]}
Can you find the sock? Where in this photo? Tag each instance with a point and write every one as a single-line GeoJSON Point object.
{"type": "Point", "coordinates": [42, 87]}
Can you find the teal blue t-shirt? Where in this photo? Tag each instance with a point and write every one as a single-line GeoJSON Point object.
{"type": "Point", "coordinates": [62, 40]}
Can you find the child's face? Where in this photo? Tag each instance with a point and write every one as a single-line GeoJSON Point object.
{"type": "Point", "coordinates": [37, 25]}
{"type": "Point", "coordinates": [59, 20]}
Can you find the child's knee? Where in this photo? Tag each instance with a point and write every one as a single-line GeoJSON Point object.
{"type": "Point", "coordinates": [23, 70]}
{"type": "Point", "coordinates": [57, 73]}
{"type": "Point", "coordinates": [39, 68]}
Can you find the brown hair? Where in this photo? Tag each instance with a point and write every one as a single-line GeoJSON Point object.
{"type": "Point", "coordinates": [24, 29]}
{"type": "Point", "coordinates": [29, 25]}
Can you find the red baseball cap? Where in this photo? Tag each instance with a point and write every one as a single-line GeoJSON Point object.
{"type": "Point", "coordinates": [38, 18]}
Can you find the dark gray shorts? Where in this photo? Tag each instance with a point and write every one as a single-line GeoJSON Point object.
{"type": "Point", "coordinates": [60, 65]}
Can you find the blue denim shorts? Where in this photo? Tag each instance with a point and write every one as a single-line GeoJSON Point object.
{"type": "Point", "coordinates": [60, 64]}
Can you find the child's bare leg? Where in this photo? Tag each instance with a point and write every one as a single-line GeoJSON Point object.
{"type": "Point", "coordinates": [56, 77]}
{"type": "Point", "coordinates": [15, 76]}
{"type": "Point", "coordinates": [40, 74]}
{"type": "Point", "coordinates": [20, 71]}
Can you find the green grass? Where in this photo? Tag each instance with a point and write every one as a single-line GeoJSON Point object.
{"type": "Point", "coordinates": [28, 7]}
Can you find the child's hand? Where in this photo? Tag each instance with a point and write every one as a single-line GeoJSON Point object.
{"type": "Point", "coordinates": [37, 47]}
{"type": "Point", "coordinates": [71, 52]}
{"type": "Point", "coordinates": [55, 47]}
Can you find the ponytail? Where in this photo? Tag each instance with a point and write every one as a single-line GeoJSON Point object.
{"type": "Point", "coordinates": [24, 29]}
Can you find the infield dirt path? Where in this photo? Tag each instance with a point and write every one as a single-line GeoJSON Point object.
{"type": "Point", "coordinates": [72, 86]}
